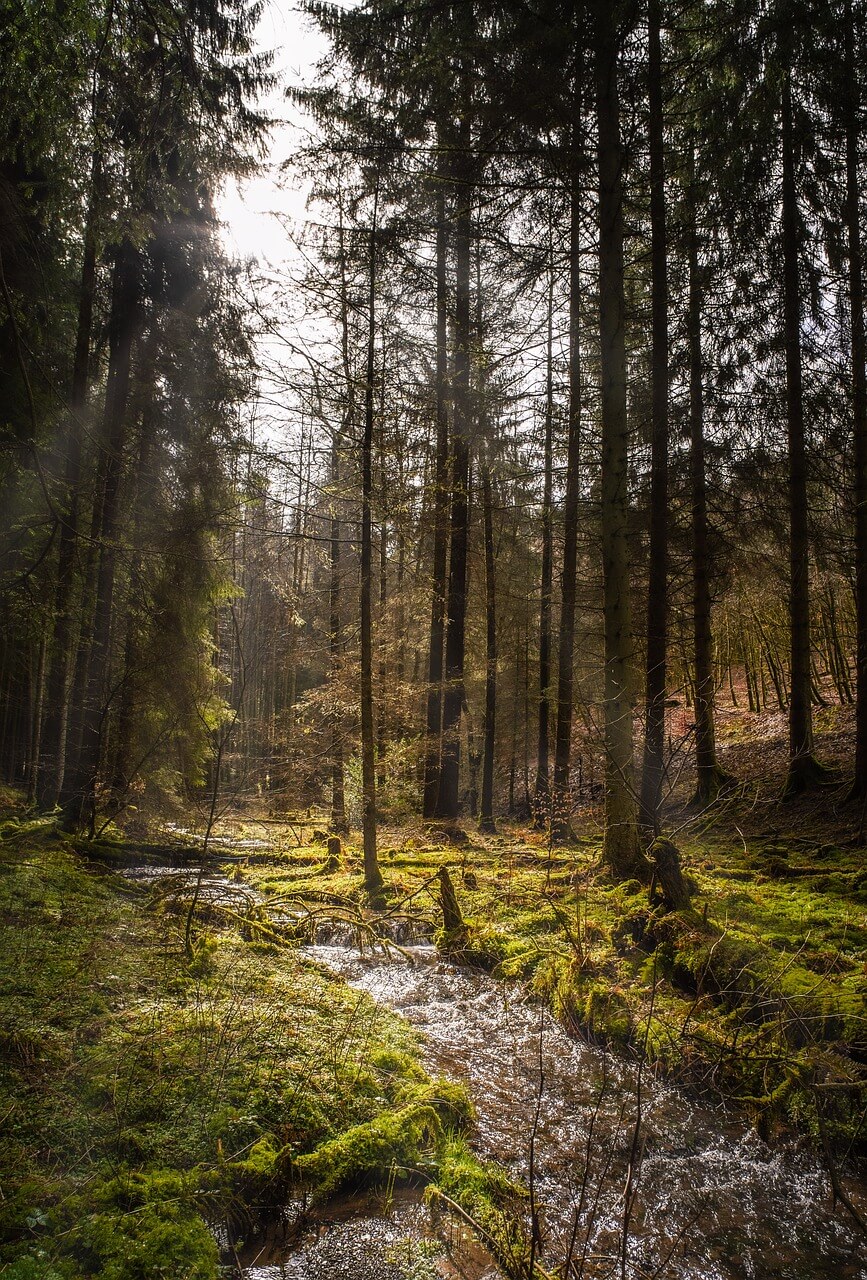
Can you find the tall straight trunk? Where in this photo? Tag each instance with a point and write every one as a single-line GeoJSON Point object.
{"type": "Point", "coordinates": [298, 532]}
{"type": "Point", "coordinates": [709, 776]}
{"type": "Point", "coordinates": [142, 486]}
{"type": "Point", "coordinates": [339, 823]}
{"type": "Point", "coordinates": [441, 529]}
{"type": "Point", "coordinates": [803, 769]}
{"type": "Point", "coordinates": [37, 699]}
{"type": "Point", "coordinates": [513, 761]}
{"type": "Point", "coordinates": [859, 401]}
{"type": "Point", "coordinates": [543, 782]}
{"type": "Point", "coordinates": [561, 802]}
{"type": "Point", "coordinates": [381, 722]}
{"type": "Point", "coordinates": [622, 849]}
{"type": "Point", "coordinates": [124, 322]}
{"type": "Point", "coordinates": [372, 875]}
{"type": "Point", "coordinates": [53, 740]}
{"type": "Point", "coordinates": [83, 640]}
{"type": "Point", "coordinates": [657, 593]}
{"type": "Point", "coordinates": [486, 820]}
{"type": "Point", "coordinates": [453, 693]}
{"type": "Point", "coordinates": [335, 644]}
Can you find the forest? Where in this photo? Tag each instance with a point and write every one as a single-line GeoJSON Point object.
{"type": "Point", "coordinates": [433, 671]}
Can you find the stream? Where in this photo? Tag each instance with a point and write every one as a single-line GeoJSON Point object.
{"type": "Point", "coordinates": [711, 1200]}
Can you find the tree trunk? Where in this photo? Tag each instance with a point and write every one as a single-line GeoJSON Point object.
{"type": "Point", "coordinates": [441, 531]}
{"type": "Point", "coordinates": [622, 849]}
{"type": "Point", "coordinates": [859, 402]}
{"type": "Point", "coordinates": [49, 783]}
{"type": "Point", "coordinates": [803, 769]}
{"type": "Point", "coordinates": [542, 800]}
{"type": "Point", "coordinates": [124, 323]}
{"type": "Point", "coordinates": [37, 699]}
{"type": "Point", "coordinates": [453, 695]}
{"type": "Point", "coordinates": [561, 801]}
{"type": "Point", "coordinates": [338, 822]}
{"type": "Point", "coordinates": [372, 874]}
{"type": "Point", "coordinates": [657, 594]}
{"type": "Point", "coordinates": [381, 722]}
{"type": "Point", "coordinates": [709, 776]}
{"type": "Point", "coordinates": [141, 495]}
{"type": "Point", "coordinates": [486, 821]}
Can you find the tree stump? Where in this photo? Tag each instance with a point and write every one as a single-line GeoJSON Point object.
{"type": "Point", "coordinates": [453, 921]}
{"type": "Point", "coordinates": [667, 874]}
{"type": "Point", "coordinates": [335, 849]}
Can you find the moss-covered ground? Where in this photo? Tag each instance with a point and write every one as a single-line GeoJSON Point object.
{"type": "Point", "coordinates": [148, 1095]}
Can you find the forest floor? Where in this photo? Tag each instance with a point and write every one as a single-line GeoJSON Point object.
{"type": "Point", "coordinates": [155, 1101]}
{"type": "Point", "coordinates": [758, 994]}
{"type": "Point", "coordinates": [160, 1076]}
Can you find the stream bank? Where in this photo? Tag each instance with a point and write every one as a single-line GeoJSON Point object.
{"type": "Point", "coordinates": [713, 1201]}
{"type": "Point", "coordinates": [148, 1096]}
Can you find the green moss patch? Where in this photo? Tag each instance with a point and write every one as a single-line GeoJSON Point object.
{"type": "Point", "coordinates": [145, 1095]}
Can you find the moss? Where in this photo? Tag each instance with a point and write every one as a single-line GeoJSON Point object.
{"type": "Point", "coordinates": [155, 1242]}
{"type": "Point", "coordinates": [192, 1082]}
{"type": "Point", "coordinates": [491, 1199]}
{"type": "Point", "coordinates": [734, 984]}
{"type": "Point", "coordinates": [405, 1141]}
{"type": "Point", "coordinates": [606, 1013]}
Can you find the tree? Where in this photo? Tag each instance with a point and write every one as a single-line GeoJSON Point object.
{"type": "Point", "coordinates": [561, 805]}
{"type": "Point", "coordinates": [622, 848]}
{"type": "Point", "coordinates": [372, 874]}
{"type": "Point", "coordinates": [448, 799]}
{"type": "Point", "coordinates": [851, 100]}
{"type": "Point", "coordinates": [657, 592]}
{"type": "Point", "coordinates": [803, 767]}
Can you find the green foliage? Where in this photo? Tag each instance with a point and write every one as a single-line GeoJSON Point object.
{"type": "Point", "coordinates": [152, 1241]}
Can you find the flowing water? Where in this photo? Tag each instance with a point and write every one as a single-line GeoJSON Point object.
{"type": "Point", "coordinates": [709, 1199]}
{"type": "Point", "coordinates": [712, 1200]}
{"type": "Point", "coordinates": [367, 1237]}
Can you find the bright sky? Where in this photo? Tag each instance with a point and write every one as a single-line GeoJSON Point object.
{"type": "Point", "coordinates": [255, 213]}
